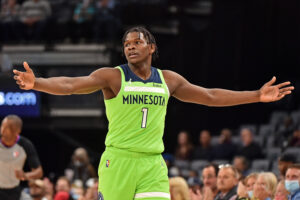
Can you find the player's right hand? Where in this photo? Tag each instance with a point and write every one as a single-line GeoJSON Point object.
{"type": "Point", "coordinates": [26, 79]}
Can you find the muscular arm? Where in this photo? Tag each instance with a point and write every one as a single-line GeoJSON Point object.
{"type": "Point", "coordinates": [183, 90]}
{"type": "Point", "coordinates": [97, 80]}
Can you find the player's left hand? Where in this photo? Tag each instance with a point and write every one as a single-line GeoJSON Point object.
{"type": "Point", "coordinates": [20, 174]}
{"type": "Point", "coordinates": [270, 92]}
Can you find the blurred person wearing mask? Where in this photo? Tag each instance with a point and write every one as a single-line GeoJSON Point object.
{"type": "Point", "coordinates": [80, 167]}
{"type": "Point", "coordinates": [284, 161]}
{"type": "Point", "coordinates": [15, 152]}
{"type": "Point", "coordinates": [92, 190]}
{"type": "Point", "coordinates": [265, 186]}
{"type": "Point", "coordinates": [179, 189]}
{"type": "Point", "coordinates": [245, 187]}
{"type": "Point", "coordinates": [281, 193]}
{"type": "Point", "coordinates": [227, 181]}
{"type": "Point", "coordinates": [292, 181]}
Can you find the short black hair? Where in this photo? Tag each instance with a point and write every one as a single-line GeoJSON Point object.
{"type": "Point", "coordinates": [213, 165]}
{"type": "Point", "coordinates": [148, 36]}
{"type": "Point", "coordinates": [16, 120]}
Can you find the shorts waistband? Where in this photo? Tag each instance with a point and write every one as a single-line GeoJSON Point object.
{"type": "Point", "coordinates": [130, 154]}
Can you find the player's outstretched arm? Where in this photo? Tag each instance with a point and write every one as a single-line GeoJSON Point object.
{"type": "Point", "coordinates": [183, 90]}
{"type": "Point", "coordinates": [63, 85]}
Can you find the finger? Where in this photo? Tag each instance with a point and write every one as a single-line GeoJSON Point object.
{"type": "Point", "coordinates": [17, 72]}
{"type": "Point", "coordinates": [271, 82]}
{"type": "Point", "coordinates": [286, 89]}
{"type": "Point", "coordinates": [283, 84]}
{"type": "Point", "coordinates": [26, 66]}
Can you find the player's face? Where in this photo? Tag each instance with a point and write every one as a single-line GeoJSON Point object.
{"type": "Point", "coordinates": [136, 48]}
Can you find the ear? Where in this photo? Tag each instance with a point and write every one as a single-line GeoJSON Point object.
{"type": "Point", "coordinates": [152, 48]}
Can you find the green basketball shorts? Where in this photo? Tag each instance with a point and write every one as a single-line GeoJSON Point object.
{"type": "Point", "coordinates": [125, 175]}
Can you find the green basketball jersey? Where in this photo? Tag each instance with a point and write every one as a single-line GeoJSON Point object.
{"type": "Point", "coordinates": [137, 114]}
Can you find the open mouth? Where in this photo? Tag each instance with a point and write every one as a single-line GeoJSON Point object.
{"type": "Point", "coordinates": [132, 55]}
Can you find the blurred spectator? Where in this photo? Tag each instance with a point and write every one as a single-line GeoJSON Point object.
{"type": "Point", "coordinates": [193, 181]}
{"type": "Point", "coordinates": [184, 147]}
{"type": "Point", "coordinates": [92, 190]}
{"type": "Point", "coordinates": [292, 181]}
{"type": "Point", "coordinates": [265, 186]}
{"type": "Point", "coordinates": [209, 178]}
{"type": "Point", "coordinates": [242, 165]}
{"type": "Point", "coordinates": [80, 167]}
{"type": "Point", "coordinates": [34, 15]}
{"type": "Point", "coordinates": [294, 141]}
{"type": "Point", "coordinates": [179, 189]}
{"type": "Point", "coordinates": [63, 189]}
{"type": "Point", "coordinates": [249, 182]}
{"type": "Point", "coordinates": [250, 149]}
{"type": "Point", "coordinates": [9, 21]}
{"type": "Point", "coordinates": [227, 182]}
{"type": "Point", "coordinates": [284, 161]}
{"type": "Point", "coordinates": [83, 20]}
{"type": "Point", "coordinates": [281, 193]}
{"type": "Point", "coordinates": [284, 132]}
{"type": "Point", "coordinates": [226, 149]}
{"type": "Point", "coordinates": [106, 22]}
{"type": "Point", "coordinates": [49, 188]}
{"type": "Point", "coordinates": [204, 151]}
{"type": "Point", "coordinates": [37, 190]}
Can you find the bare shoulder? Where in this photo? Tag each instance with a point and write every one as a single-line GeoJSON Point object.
{"type": "Point", "coordinates": [173, 80]}
{"type": "Point", "coordinates": [106, 73]}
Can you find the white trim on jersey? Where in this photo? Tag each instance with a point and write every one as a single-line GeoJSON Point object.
{"type": "Point", "coordinates": [144, 89]}
{"type": "Point", "coordinates": [152, 194]}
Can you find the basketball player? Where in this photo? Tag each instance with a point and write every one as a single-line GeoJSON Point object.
{"type": "Point", "coordinates": [136, 96]}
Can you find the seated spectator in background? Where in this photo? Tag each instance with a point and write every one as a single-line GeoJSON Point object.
{"type": "Point", "coordinates": [249, 149]}
{"type": "Point", "coordinates": [9, 21]}
{"type": "Point", "coordinates": [184, 147]}
{"type": "Point", "coordinates": [249, 182]}
{"type": "Point", "coordinates": [83, 20]}
{"type": "Point", "coordinates": [265, 186]}
{"type": "Point", "coordinates": [227, 183]}
{"type": "Point", "coordinates": [37, 189]}
{"type": "Point", "coordinates": [34, 15]}
{"type": "Point", "coordinates": [92, 190]}
{"type": "Point", "coordinates": [294, 140]}
{"type": "Point", "coordinates": [242, 165]}
{"type": "Point", "coordinates": [106, 22]}
{"type": "Point", "coordinates": [281, 193]}
{"type": "Point", "coordinates": [209, 178]}
{"type": "Point", "coordinates": [292, 181]}
{"type": "Point", "coordinates": [204, 151]}
{"type": "Point", "coordinates": [80, 168]}
{"type": "Point", "coordinates": [284, 132]}
{"type": "Point", "coordinates": [49, 188]}
{"type": "Point", "coordinates": [284, 161]}
{"type": "Point", "coordinates": [63, 188]}
{"type": "Point", "coordinates": [226, 149]}
{"type": "Point", "coordinates": [179, 189]}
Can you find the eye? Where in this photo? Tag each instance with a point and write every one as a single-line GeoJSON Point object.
{"type": "Point", "coordinates": [137, 42]}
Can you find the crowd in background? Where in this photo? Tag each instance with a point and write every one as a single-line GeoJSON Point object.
{"type": "Point", "coordinates": [37, 21]}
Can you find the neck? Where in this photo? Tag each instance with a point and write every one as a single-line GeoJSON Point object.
{"type": "Point", "coordinates": [10, 143]}
{"type": "Point", "coordinates": [143, 70]}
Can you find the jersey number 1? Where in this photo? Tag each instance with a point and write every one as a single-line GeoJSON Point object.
{"type": "Point", "coordinates": [145, 114]}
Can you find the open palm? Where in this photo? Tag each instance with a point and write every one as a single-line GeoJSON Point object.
{"type": "Point", "coordinates": [26, 79]}
{"type": "Point", "coordinates": [270, 92]}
